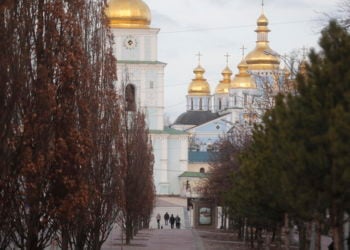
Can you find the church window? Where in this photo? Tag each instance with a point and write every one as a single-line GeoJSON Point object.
{"type": "Point", "coordinates": [202, 170]}
{"type": "Point", "coordinates": [191, 104]}
{"type": "Point", "coordinates": [151, 84]}
{"type": "Point", "coordinates": [220, 104]}
{"type": "Point", "coordinates": [235, 100]}
{"type": "Point", "coordinates": [130, 98]}
{"type": "Point", "coordinates": [245, 99]}
{"type": "Point", "coordinates": [200, 103]}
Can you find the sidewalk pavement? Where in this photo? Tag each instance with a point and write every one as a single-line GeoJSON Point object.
{"type": "Point", "coordinates": [159, 239]}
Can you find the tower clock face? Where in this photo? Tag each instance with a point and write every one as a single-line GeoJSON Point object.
{"type": "Point", "coordinates": [130, 42]}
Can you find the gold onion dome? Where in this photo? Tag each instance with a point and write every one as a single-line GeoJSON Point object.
{"type": "Point", "coordinates": [243, 79]}
{"type": "Point", "coordinates": [287, 73]}
{"type": "Point", "coordinates": [128, 14]}
{"type": "Point", "coordinates": [199, 85]}
{"type": "Point", "coordinates": [262, 57]}
{"type": "Point", "coordinates": [302, 67]}
{"type": "Point", "coordinates": [225, 83]}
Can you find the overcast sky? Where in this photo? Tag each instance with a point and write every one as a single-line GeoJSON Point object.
{"type": "Point", "coordinates": [217, 27]}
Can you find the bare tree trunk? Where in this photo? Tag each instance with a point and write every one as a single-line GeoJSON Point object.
{"type": "Point", "coordinates": [336, 216]}
{"type": "Point", "coordinates": [65, 238]}
{"type": "Point", "coordinates": [318, 235]}
{"type": "Point", "coordinates": [286, 232]}
{"type": "Point", "coordinates": [128, 230]}
{"type": "Point", "coordinates": [251, 237]}
{"type": "Point", "coordinates": [267, 241]}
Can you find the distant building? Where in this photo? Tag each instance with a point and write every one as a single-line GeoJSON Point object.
{"type": "Point", "coordinates": [236, 100]}
{"type": "Point", "coordinates": [141, 78]}
{"type": "Point", "coordinates": [183, 151]}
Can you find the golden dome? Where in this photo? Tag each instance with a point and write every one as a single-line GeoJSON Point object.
{"type": "Point", "coordinates": [302, 67]}
{"type": "Point", "coordinates": [128, 14]}
{"type": "Point", "coordinates": [243, 79]}
{"type": "Point", "coordinates": [287, 73]}
{"type": "Point", "coordinates": [262, 57]}
{"type": "Point", "coordinates": [225, 83]}
{"type": "Point", "coordinates": [199, 85]}
{"type": "Point", "coordinates": [262, 20]}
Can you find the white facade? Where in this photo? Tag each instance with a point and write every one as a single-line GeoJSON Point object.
{"type": "Point", "coordinates": [136, 52]}
{"type": "Point", "coordinates": [137, 65]}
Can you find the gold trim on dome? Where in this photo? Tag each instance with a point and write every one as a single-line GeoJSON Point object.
{"type": "Point", "coordinates": [128, 14]}
{"type": "Point", "coordinates": [243, 79]}
{"type": "Point", "coordinates": [199, 85]}
{"type": "Point", "coordinates": [225, 84]}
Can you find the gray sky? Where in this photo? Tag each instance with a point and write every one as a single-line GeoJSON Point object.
{"type": "Point", "coordinates": [217, 27]}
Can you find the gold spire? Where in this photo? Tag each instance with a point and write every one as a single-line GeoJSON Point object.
{"type": "Point", "coordinates": [128, 14]}
{"type": "Point", "coordinates": [225, 83]}
{"type": "Point", "coordinates": [262, 57]}
{"type": "Point", "coordinates": [199, 85]}
{"type": "Point", "coordinates": [243, 78]}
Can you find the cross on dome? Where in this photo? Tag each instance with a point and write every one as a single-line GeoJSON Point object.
{"type": "Point", "coordinates": [243, 50]}
{"type": "Point", "coordinates": [199, 57]}
{"type": "Point", "coordinates": [227, 57]}
{"type": "Point", "coordinates": [305, 50]}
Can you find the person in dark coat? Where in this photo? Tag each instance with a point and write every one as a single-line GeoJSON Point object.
{"type": "Point", "coordinates": [172, 221]}
{"type": "Point", "coordinates": [158, 220]}
{"type": "Point", "coordinates": [177, 221]}
{"type": "Point", "coordinates": [166, 218]}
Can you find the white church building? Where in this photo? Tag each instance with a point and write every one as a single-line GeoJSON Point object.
{"type": "Point", "coordinates": [182, 151]}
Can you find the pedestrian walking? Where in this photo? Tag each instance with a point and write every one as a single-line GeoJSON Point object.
{"type": "Point", "coordinates": [158, 220]}
{"type": "Point", "coordinates": [172, 221]}
{"type": "Point", "coordinates": [166, 218]}
{"type": "Point", "coordinates": [177, 221]}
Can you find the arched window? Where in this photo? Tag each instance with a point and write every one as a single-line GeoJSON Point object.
{"type": "Point", "coordinates": [200, 103]}
{"type": "Point", "coordinates": [202, 170]}
{"type": "Point", "coordinates": [130, 98]}
{"type": "Point", "coordinates": [220, 104]}
{"type": "Point", "coordinates": [191, 103]}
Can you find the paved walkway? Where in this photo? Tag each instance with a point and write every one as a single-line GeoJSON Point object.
{"type": "Point", "coordinates": [163, 239]}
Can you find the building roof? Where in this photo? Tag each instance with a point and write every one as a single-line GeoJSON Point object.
{"type": "Point", "coordinates": [196, 117]}
{"type": "Point", "coordinates": [128, 14]}
{"type": "Point", "coordinates": [201, 156]}
{"type": "Point", "coordinates": [168, 131]}
{"type": "Point", "coordinates": [139, 62]}
{"type": "Point", "coordinates": [194, 175]}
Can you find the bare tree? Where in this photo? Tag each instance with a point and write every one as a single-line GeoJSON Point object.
{"type": "Point", "coordinates": [139, 187]}
{"type": "Point", "coordinates": [61, 146]}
